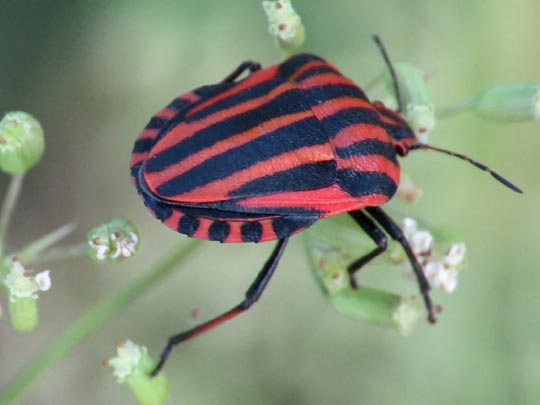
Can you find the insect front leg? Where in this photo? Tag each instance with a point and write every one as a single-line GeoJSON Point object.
{"type": "Point", "coordinates": [374, 233]}
{"type": "Point", "coordinates": [397, 234]}
{"type": "Point", "coordinates": [247, 65]}
{"type": "Point", "coordinates": [253, 293]}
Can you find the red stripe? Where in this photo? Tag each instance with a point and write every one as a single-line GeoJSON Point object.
{"type": "Point", "coordinates": [172, 221]}
{"type": "Point", "coordinates": [224, 146]}
{"type": "Point", "coordinates": [220, 189]}
{"type": "Point", "coordinates": [329, 200]}
{"type": "Point", "coordinates": [371, 163]}
{"type": "Point", "coordinates": [359, 132]}
{"type": "Point", "coordinates": [185, 130]}
{"type": "Point", "coordinates": [253, 79]}
{"type": "Point", "coordinates": [325, 79]}
{"type": "Point", "coordinates": [308, 66]}
{"type": "Point", "coordinates": [333, 106]}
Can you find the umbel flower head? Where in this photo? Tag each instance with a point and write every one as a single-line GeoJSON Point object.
{"type": "Point", "coordinates": [23, 288]}
{"type": "Point", "coordinates": [113, 241]}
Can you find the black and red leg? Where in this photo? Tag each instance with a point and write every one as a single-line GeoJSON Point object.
{"type": "Point", "coordinates": [253, 293]}
{"type": "Point", "coordinates": [247, 65]}
{"type": "Point", "coordinates": [392, 229]}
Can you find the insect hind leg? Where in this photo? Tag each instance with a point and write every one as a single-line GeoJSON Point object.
{"type": "Point", "coordinates": [397, 234]}
{"type": "Point", "coordinates": [253, 293]}
{"type": "Point", "coordinates": [247, 65]}
{"type": "Point", "coordinates": [371, 229]}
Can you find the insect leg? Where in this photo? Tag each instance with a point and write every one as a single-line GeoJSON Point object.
{"type": "Point", "coordinates": [248, 65]}
{"type": "Point", "coordinates": [397, 234]}
{"type": "Point", "coordinates": [252, 295]}
{"type": "Point", "coordinates": [374, 233]}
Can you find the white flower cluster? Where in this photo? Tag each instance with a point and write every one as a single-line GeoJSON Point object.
{"type": "Point", "coordinates": [117, 245]}
{"type": "Point", "coordinates": [128, 359]}
{"type": "Point", "coordinates": [441, 269]}
{"type": "Point", "coordinates": [21, 284]}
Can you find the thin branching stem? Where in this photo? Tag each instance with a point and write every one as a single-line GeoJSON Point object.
{"type": "Point", "coordinates": [61, 345]}
{"type": "Point", "coordinates": [8, 207]}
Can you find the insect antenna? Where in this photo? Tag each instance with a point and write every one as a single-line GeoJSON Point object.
{"type": "Point", "coordinates": [380, 44]}
{"type": "Point", "coordinates": [481, 166]}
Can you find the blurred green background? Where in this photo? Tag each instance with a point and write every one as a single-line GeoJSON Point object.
{"type": "Point", "coordinates": [94, 72]}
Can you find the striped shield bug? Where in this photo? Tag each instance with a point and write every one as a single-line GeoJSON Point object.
{"type": "Point", "coordinates": [262, 158]}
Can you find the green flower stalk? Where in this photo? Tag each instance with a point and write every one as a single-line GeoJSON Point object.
{"type": "Point", "coordinates": [132, 366]}
{"type": "Point", "coordinates": [113, 241]}
{"type": "Point", "coordinates": [284, 24]}
{"type": "Point", "coordinates": [22, 290]}
{"type": "Point", "coordinates": [21, 142]}
{"type": "Point", "coordinates": [509, 103]}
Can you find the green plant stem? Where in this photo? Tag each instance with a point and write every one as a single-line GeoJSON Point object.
{"type": "Point", "coordinates": [31, 252]}
{"type": "Point", "coordinates": [60, 346]}
{"type": "Point", "coordinates": [61, 253]}
{"type": "Point", "coordinates": [8, 207]}
{"type": "Point", "coordinates": [450, 110]}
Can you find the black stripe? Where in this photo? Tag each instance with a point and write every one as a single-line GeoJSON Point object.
{"type": "Point", "coordinates": [179, 103]}
{"type": "Point", "coordinates": [368, 147]}
{"type": "Point", "coordinates": [303, 177]}
{"type": "Point", "coordinates": [294, 63]}
{"type": "Point", "coordinates": [341, 119]}
{"type": "Point", "coordinates": [287, 225]}
{"type": "Point", "coordinates": [251, 231]}
{"type": "Point", "coordinates": [143, 145]}
{"type": "Point", "coordinates": [364, 183]}
{"type": "Point", "coordinates": [188, 225]}
{"type": "Point", "coordinates": [219, 230]}
{"type": "Point", "coordinates": [297, 135]}
{"type": "Point", "coordinates": [245, 95]}
{"type": "Point", "coordinates": [316, 71]}
{"type": "Point", "coordinates": [156, 123]}
{"type": "Point", "coordinates": [399, 133]}
{"type": "Point", "coordinates": [321, 94]}
{"type": "Point", "coordinates": [288, 103]}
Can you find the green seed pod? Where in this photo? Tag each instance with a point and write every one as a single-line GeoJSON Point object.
{"type": "Point", "coordinates": [21, 142]}
{"type": "Point", "coordinates": [23, 314]}
{"type": "Point", "coordinates": [509, 103]}
{"type": "Point", "coordinates": [284, 24]}
{"type": "Point", "coordinates": [113, 241]}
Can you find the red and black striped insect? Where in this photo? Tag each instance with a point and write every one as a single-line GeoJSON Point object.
{"type": "Point", "coordinates": [263, 158]}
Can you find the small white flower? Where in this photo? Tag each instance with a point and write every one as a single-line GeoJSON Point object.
{"type": "Point", "coordinates": [127, 360]}
{"type": "Point", "coordinates": [455, 255]}
{"type": "Point", "coordinates": [125, 246]}
{"type": "Point", "coordinates": [43, 280]}
{"type": "Point", "coordinates": [21, 284]}
{"type": "Point", "coordinates": [421, 242]}
{"type": "Point", "coordinates": [409, 226]}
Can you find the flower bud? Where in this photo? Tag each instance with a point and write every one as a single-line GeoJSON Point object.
{"type": "Point", "coordinates": [419, 111]}
{"type": "Point", "coordinates": [22, 289]}
{"type": "Point", "coordinates": [284, 24]}
{"type": "Point", "coordinates": [21, 142]}
{"type": "Point", "coordinates": [113, 241]}
{"type": "Point", "coordinates": [509, 103]}
{"type": "Point", "coordinates": [132, 366]}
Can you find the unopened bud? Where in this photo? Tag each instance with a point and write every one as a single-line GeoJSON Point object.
{"type": "Point", "coordinates": [21, 142]}
{"type": "Point", "coordinates": [509, 103]}
{"type": "Point", "coordinates": [284, 24]}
